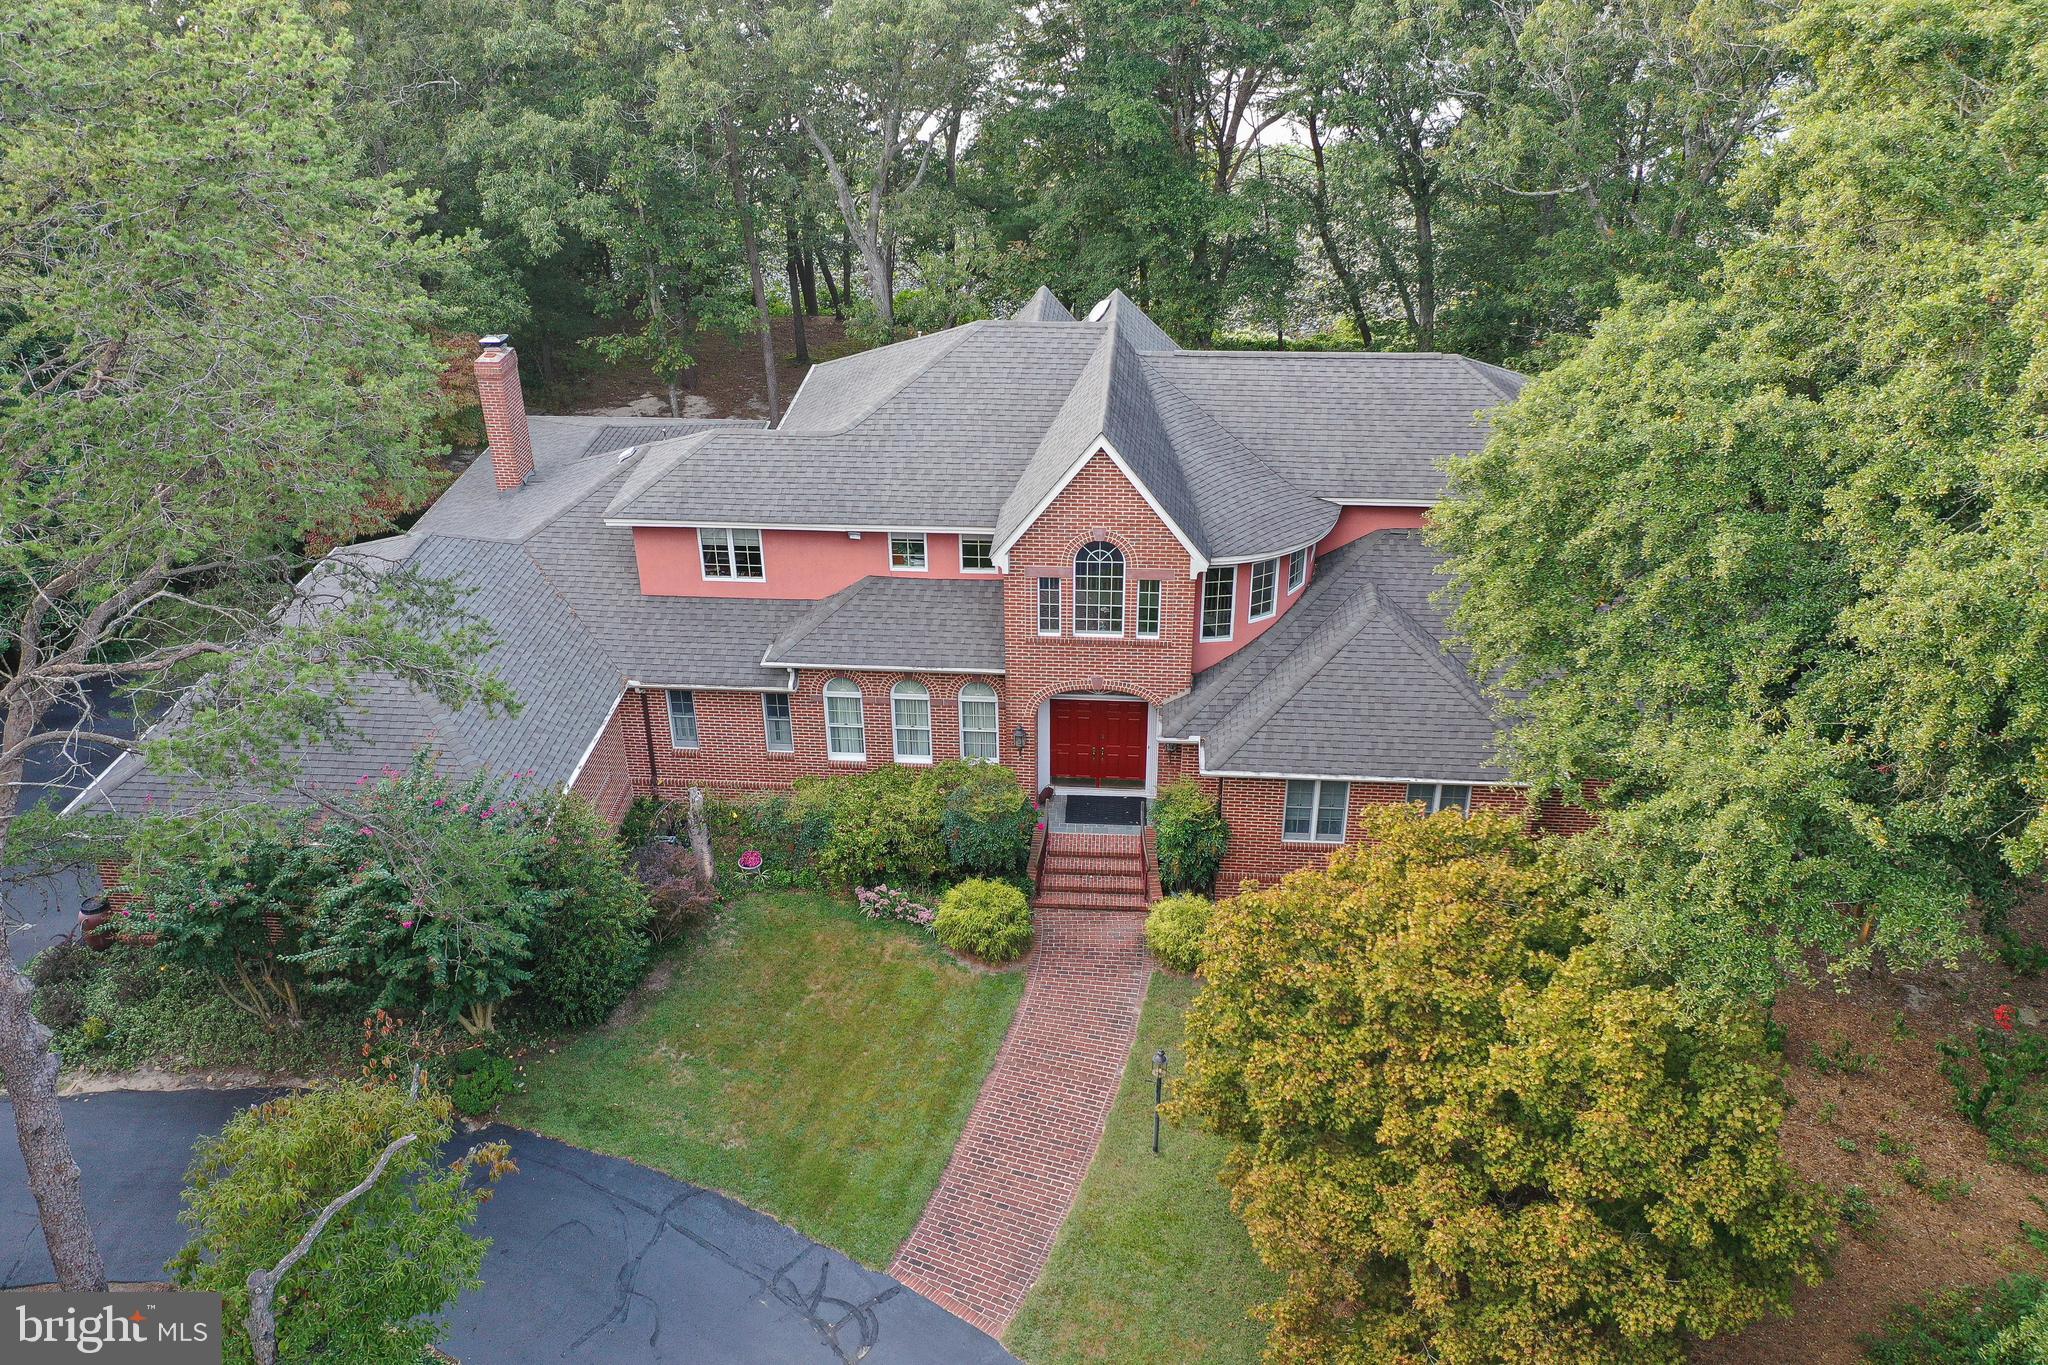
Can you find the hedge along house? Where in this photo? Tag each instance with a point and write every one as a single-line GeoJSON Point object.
{"type": "Point", "coordinates": [1066, 545]}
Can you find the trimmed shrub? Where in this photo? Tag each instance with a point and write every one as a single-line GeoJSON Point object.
{"type": "Point", "coordinates": [1174, 929]}
{"type": "Point", "coordinates": [61, 974]}
{"type": "Point", "coordinates": [481, 1079]}
{"type": "Point", "coordinates": [591, 945]}
{"type": "Point", "coordinates": [988, 823]}
{"type": "Point", "coordinates": [986, 919]}
{"type": "Point", "coordinates": [677, 889]}
{"type": "Point", "coordinates": [1471, 1130]}
{"type": "Point", "coordinates": [1192, 837]}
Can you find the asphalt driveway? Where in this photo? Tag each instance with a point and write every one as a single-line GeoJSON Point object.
{"type": "Point", "coordinates": [592, 1258]}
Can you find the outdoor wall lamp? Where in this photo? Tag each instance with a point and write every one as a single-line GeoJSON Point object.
{"type": "Point", "coordinates": [1023, 738]}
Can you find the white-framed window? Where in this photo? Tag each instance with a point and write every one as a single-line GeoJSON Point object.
{"type": "Point", "coordinates": [1219, 601]}
{"type": "Point", "coordinates": [912, 704]}
{"type": "Point", "coordinates": [1265, 591]}
{"type": "Point", "coordinates": [1436, 796]}
{"type": "Point", "coordinates": [1148, 608]}
{"type": "Point", "coordinates": [1316, 811]}
{"type": "Point", "coordinates": [977, 554]}
{"type": "Point", "coordinates": [1297, 570]}
{"type": "Point", "coordinates": [1099, 589]}
{"type": "Point", "coordinates": [846, 726]}
{"type": "Point", "coordinates": [776, 730]}
{"type": "Point", "coordinates": [906, 552]}
{"type": "Point", "coordinates": [682, 719]}
{"type": "Point", "coordinates": [729, 552]}
{"type": "Point", "coordinates": [1048, 606]}
{"type": "Point", "coordinates": [980, 728]}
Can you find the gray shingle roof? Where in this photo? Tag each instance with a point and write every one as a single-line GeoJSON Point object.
{"type": "Point", "coordinates": [948, 625]}
{"type": "Point", "coordinates": [971, 428]}
{"type": "Point", "coordinates": [1042, 306]}
{"type": "Point", "coordinates": [1353, 682]}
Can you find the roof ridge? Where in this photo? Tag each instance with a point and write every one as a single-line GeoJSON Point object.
{"type": "Point", "coordinates": [1203, 414]}
{"type": "Point", "coordinates": [964, 330]}
{"type": "Point", "coordinates": [1483, 371]}
{"type": "Point", "coordinates": [1306, 660]}
{"type": "Point", "coordinates": [1434, 652]}
{"type": "Point", "coordinates": [825, 610]}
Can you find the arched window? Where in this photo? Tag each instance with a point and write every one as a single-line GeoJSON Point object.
{"type": "Point", "coordinates": [913, 707]}
{"type": "Point", "coordinates": [978, 727]}
{"type": "Point", "coordinates": [1099, 589]}
{"type": "Point", "coordinates": [846, 730]}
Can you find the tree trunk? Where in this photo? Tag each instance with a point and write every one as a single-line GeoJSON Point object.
{"type": "Point", "coordinates": [808, 277]}
{"type": "Point", "coordinates": [29, 1069]}
{"type": "Point", "coordinates": [1319, 207]}
{"type": "Point", "coordinates": [753, 249]}
{"type": "Point", "coordinates": [831, 289]}
{"type": "Point", "coordinates": [1425, 275]}
{"type": "Point", "coordinates": [796, 292]}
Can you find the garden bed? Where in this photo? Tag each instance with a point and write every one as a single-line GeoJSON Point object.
{"type": "Point", "coordinates": [812, 1063]}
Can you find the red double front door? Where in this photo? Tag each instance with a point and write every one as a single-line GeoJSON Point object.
{"type": "Point", "coordinates": [1099, 743]}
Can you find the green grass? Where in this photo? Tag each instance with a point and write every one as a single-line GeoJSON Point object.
{"type": "Point", "coordinates": [1152, 1265]}
{"type": "Point", "coordinates": [811, 1063]}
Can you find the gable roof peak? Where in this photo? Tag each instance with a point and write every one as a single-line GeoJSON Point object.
{"type": "Point", "coordinates": [1129, 321]}
{"type": "Point", "coordinates": [1042, 306]}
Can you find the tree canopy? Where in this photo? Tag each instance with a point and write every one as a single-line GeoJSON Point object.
{"type": "Point", "coordinates": [1766, 559]}
{"type": "Point", "coordinates": [1471, 1131]}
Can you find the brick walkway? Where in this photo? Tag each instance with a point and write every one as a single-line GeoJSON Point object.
{"type": "Point", "coordinates": [985, 1236]}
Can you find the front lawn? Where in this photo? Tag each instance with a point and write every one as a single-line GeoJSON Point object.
{"type": "Point", "coordinates": [1151, 1265]}
{"type": "Point", "coordinates": [814, 1064]}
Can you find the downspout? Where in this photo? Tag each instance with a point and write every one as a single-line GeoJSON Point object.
{"type": "Point", "coordinates": [647, 733]}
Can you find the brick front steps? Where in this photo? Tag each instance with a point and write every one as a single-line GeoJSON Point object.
{"type": "Point", "coordinates": [985, 1236]}
{"type": "Point", "coordinates": [1092, 872]}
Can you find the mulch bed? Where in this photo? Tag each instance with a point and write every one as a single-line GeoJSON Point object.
{"type": "Point", "coordinates": [1865, 1067]}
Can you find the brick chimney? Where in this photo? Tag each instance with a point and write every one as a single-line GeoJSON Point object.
{"type": "Point", "coordinates": [497, 389]}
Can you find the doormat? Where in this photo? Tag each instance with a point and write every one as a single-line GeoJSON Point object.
{"type": "Point", "coordinates": [1105, 810]}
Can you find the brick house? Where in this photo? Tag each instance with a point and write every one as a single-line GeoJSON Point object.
{"type": "Point", "coordinates": [1067, 545]}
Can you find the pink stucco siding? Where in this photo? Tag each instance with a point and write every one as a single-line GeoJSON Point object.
{"type": "Point", "coordinates": [798, 564]}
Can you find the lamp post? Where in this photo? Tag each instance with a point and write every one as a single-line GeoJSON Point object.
{"type": "Point", "coordinates": [1158, 1094]}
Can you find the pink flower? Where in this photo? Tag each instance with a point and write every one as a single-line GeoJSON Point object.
{"type": "Point", "coordinates": [405, 924]}
{"type": "Point", "coordinates": [2002, 1016]}
{"type": "Point", "coordinates": [440, 801]}
{"type": "Point", "coordinates": [464, 808]}
{"type": "Point", "coordinates": [366, 830]}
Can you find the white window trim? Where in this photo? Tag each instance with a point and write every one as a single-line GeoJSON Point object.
{"type": "Point", "coordinates": [791, 718]}
{"type": "Point", "coordinates": [1123, 579]}
{"type": "Point", "coordinates": [991, 569]}
{"type": "Point", "coordinates": [1138, 630]}
{"type": "Point", "coordinates": [696, 721]}
{"type": "Point", "coordinates": [1307, 555]}
{"type": "Point", "coordinates": [859, 697]}
{"type": "Point", "coordinates": [922, 539]}
{"type": "Point", "coordinates": [1251, 590]}
{"type": "Point", "coordinates": [732, 553]}
{"type": "Point", "coordinates": [1059, 614]}
{"type": "Point", "coordinates": [994, 699]}
{"type": "Point", "coordinates": [1314, 810]}
{"type": "Point", "coordinates": [1435, 802]}
{"type": "Point", "coordinates": [1202, 635]}
{"type": "Point", "coordinates": [896, 731]}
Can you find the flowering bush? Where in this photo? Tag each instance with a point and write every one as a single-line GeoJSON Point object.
{"type": "Point", "coordinates": [438, 897]}
{"type": "Point", "coordinates": [893, 903]}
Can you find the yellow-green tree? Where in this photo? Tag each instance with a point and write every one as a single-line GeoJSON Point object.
{"type": "Point", "coordinates": [1470, 1132]}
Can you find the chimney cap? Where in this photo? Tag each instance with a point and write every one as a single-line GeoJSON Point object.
{"type": "Point", "coordinates": [494, 341]}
